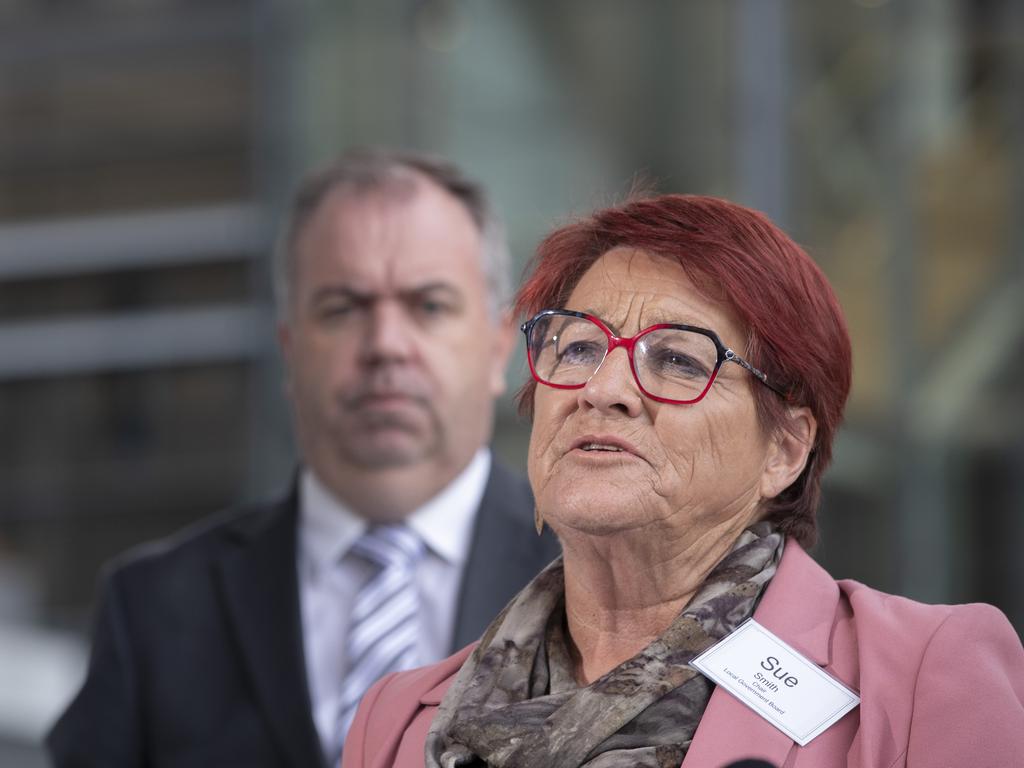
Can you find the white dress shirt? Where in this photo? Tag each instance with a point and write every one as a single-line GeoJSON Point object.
{"type": "Point", "coordinates": [329, 578]}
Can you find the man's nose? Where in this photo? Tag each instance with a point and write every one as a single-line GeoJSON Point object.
{"type": "Point", "coordinates": [390, 334]}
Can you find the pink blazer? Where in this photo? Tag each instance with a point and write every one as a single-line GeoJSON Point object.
{"type": "Point", "coordinates": [941, 686]}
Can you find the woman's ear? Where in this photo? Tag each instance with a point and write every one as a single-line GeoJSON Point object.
{"type": "Point", "coordinates": [504, 341]}
{"type": "Point", "coordinates": [788, 451]}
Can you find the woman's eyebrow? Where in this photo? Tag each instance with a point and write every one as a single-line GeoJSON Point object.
{"type": "Point", "coordinates": [611, 326]}
{"type": "Point", "coordinates": [659, 316]}
{"type": "Point", "coordinates": [653, 317]}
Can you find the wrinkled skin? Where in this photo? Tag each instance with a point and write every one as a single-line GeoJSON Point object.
{"type": "Point", "coordinates": [641, 527]}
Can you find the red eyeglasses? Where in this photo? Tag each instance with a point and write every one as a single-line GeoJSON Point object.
{"type": "Point", "coordinates": [671, 363]}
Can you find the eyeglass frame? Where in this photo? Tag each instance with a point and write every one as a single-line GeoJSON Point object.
{"type": "Point", "coordinates": [725, 354]}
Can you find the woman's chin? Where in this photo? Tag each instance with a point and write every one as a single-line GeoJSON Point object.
{"type": "Point", "coordinates": [590, 530]}
{"type": "Point", "coordinates": [594, 516]}
{"type": "Point", "coordinates": [571, 501]}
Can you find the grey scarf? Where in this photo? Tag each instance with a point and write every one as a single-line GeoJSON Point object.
{"type": "Point", "coordinates": [515, 702]}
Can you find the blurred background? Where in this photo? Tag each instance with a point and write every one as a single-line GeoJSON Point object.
{"type": "Point", "coordinates": [147, 148]}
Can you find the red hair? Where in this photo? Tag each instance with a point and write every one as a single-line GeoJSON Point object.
{"type": "Point", "coordinates": [796, 331]}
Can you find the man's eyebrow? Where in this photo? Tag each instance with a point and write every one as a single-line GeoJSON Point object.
{"type": "Point", "coordinates": [436, 291]}
{"type": "Point", "coordinates": [436, 286]}
{"type": "Point", "coordinates": [329, 292]}
{"type": "Point", "coordinates": [326, 293]}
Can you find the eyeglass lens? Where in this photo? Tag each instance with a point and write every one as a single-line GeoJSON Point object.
{"type": "Point", "coordinates": [670, 363]}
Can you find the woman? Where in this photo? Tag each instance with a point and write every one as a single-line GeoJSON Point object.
{"type": "Point", "coordinates": [690, 369]}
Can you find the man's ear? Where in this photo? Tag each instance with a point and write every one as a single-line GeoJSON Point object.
{"type": "Point", "coordinates": [284, 344]}
{"type": "Point", "coordinates": [504, 342]}
{"type": "Point", "coordinates": [284, 340]}
{"type": "Point", "coordinates": [788, 451]}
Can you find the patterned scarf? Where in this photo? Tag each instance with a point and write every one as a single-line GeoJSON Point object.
{"type": "Point", "coordinates": [515, 702]}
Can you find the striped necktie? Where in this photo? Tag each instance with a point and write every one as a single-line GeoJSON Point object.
{"type": "Point", "coordinates": [383, 627]}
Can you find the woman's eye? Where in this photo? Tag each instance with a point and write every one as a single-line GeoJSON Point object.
{"type": "Point", "coordinates": [671, 363]}
{"type": "Point", "coordinates": [579, 352]}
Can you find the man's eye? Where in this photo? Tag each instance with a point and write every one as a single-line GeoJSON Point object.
{"type": "Point", "coordinates": [431, 308]}
{"type": "Point", "coordinates": [335, 311]}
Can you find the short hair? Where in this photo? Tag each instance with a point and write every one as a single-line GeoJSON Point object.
{"type": "Point", "coordinates": [795, 328]}
{"type": "Point", "coordinates": [368, 170]}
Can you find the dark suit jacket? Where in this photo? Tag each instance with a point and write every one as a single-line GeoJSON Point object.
{"type": "Point", "coordinates": [197, 656]}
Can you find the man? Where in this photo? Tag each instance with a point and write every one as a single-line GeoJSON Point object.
{"type": "Point", "coordinates": [249, 640]}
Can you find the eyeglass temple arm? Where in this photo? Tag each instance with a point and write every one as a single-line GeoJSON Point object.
{"type": "Point", "coordinates": [761, 375]}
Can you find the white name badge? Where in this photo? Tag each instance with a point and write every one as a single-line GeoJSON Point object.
{"type": "Point", "coordinates": [790, 692]}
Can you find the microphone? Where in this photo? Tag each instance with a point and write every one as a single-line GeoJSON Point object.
{"type": "Point", "coordinates": [750, 762]}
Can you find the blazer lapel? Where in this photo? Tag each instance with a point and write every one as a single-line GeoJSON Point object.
{"type": "Point", "coordinates": [729, 731]}
{"type": "Point", "coordinates": [260, 587]}
{"type": "Point", "coordinates": [799, 606]}
{"type": "Point", "coordinates": [505, 554]}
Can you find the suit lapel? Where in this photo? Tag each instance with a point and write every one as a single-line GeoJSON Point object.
{"type": "Point", "coordinates": [798, 606]}
{"type": "Point", "coordinates": [260, 587]}
{"type": "Point", "coordinates": [504, 555]}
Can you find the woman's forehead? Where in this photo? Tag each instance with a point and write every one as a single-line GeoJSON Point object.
{"type": "Point", "coordinates": [630, 286]}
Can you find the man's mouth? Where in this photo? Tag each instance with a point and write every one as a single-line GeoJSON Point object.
{"type": "Point", "coordinates": [374, 398]}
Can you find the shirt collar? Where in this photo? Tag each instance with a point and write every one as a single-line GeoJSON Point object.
{"type": "Point", "coordinates": [445, 523]}
{"type": "Point", "coordinates": [328, 528]}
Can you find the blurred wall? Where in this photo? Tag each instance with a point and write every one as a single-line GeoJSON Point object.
{"type": "Point", "coordinates": [148, 148]}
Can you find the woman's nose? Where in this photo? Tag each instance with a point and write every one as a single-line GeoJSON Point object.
{"type": "Point", "coordinates": [612, 388]}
